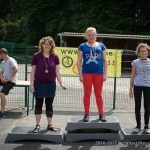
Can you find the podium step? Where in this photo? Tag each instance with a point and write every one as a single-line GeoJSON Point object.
{"type": "Point", "coordinates": [74, 137]}
{"type": "Point", "coordinates": [75, 123]}
{"type": "Point", "coordinates": [129, 136]}
{"type": "Point", "coordinates": [77, 130]}
{"type": "Point", "coordinates": [25, 133]}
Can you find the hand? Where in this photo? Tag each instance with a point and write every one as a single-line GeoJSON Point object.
{"type": "Point", "coordinates": [7, 80]}
{"type": "Point", "coordinates": [3, 81]}
{"type": "Point", "coordinates": [81, 78]}
{"type": "Point", "coordinates": [63, 86]}
{"type": "Point", "coordinates": [32, 88]}
{"type": "Point", "coordinates": [104, 77]}
{"type": "Point", "coordinates": [131, 94]}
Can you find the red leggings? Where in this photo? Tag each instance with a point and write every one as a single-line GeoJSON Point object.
{"type": "Point", "coordinates": [97, 81]}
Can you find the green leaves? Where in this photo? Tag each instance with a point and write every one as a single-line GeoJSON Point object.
{"type": "Point", "coordinates": [24, 20]}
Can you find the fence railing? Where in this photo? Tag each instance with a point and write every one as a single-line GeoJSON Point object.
{"type": "Point", "coordinates": [115, 90]}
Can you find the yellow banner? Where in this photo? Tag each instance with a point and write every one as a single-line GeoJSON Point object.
{"type": "Point", "coordinates": [68, 60]}
{"type": "Point", "coordinates": [114, 62]}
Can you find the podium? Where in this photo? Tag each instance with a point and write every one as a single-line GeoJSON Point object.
{"type": "Point", "coordinates": [25, 133]}
{"type": "Point", "coordinates": [77, 130]}
{"type": "Point", "coordinates": [129, 136]}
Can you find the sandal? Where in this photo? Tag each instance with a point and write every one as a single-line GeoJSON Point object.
{"type": "Point", "coordinates": [51, 128]}
{"type": "Point", "coordinates": [36, 129]}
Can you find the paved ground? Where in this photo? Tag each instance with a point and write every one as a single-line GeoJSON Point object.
{"type": "Point", "coordinates": [16, 118]}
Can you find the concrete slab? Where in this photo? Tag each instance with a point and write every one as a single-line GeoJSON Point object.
{"type": "Point", "coordinates": [75, 123]}
{"type": "Point", "coordinates": [129, 136]}
{"type": "Point", "coordinates": [13, 119]}
{"type": "Point", "coordinates": [74, 137]}
{"type": "Point", "coordinates": [77, 130]}
{"type": "Point", "coordinates": [26, 133]}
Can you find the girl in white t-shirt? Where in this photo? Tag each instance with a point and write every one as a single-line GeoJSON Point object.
{"type": "Point", "coordinates": [140, 83]}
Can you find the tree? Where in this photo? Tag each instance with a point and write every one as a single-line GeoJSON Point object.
{"type": "Point", "coordinates": [23, 20]}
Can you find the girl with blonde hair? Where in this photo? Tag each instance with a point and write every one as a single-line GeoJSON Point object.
{"type": "Point", "coordinates": [92, 67]}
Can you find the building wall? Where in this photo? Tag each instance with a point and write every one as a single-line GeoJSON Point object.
{"type": "Point", "coordinates": [127, 45]}
{"type": "Point", "coordinates": [111, 43]}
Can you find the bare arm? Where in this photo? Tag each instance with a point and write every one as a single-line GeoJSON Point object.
{"type": "Point", "coordinates": [14, 71]}
{"type": "Point", "coordinates": [79, 64]}
{"type": "Point", "coordinates": [58, 75]}
{"type": "Point", "coordinates": [32, 75]}
{"type": "Point", "coordinates": [1, 75]}
{"type": "Point", "coordinates": [105, 66]}
{"type": "Point", "coordinates": [2, 78]}
{"type": "Point", "coordinates": [133, 73]}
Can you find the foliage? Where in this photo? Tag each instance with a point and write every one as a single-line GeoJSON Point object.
{"type": "Point", "coordinates": [27, 21]}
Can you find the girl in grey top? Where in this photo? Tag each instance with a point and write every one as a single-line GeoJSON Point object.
{"type": "Point", "coordinates": [140, 83]}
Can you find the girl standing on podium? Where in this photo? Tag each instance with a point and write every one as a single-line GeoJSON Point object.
{"type": "Point", "coordinates": [93, 71]}
{"type": "Point", "coordinates": [140, 83]}
{"type": "Point", "coordinates": [45, 70]}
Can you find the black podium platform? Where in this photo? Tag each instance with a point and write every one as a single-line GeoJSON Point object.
{"type": "Point", "coordinates": [129, 136]}
{"type": "Point", "coordinates": [25, 133]}
{"type": "Point", "coordinates": [77, 130]}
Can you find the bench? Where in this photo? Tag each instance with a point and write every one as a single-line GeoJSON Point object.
{"type": "Point", "coordinates": [26, 85]}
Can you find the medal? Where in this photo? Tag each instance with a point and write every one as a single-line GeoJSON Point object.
{"type": "Point", "coordinates": [46, 65]}
{"type": "Point", "coordinates": [46, 70]}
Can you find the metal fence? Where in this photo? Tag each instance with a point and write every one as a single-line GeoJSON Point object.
{"type": "Point", "coordinates": [115, 90]}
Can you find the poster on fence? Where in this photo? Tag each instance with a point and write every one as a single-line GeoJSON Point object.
{"type": "Point", "coordinates": [68, 61]}
{"type": "Point", "coordinates": [114, 58]}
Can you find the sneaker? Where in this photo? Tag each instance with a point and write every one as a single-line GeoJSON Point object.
{"type": "Point", "coordinates": [86, 118]}
{"type": "Point", "coordinates": [137, 129]}
{"type": "Point", "coordinates": [102, 118]}
{"type": "Point", "coordinates": [146, 130]}
{"type": "Point", "coordinates": [2, 115]}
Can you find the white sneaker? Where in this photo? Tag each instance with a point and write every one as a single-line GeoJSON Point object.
{"type": "Point", "coordinates": [136, 130]}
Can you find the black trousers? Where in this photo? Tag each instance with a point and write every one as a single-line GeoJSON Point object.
{"type": "Point", "coordinates": [48, 103]}
{"type": "Point", "coordinates": [138, 90]}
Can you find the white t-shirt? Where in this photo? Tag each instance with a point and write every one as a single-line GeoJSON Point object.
{"type": "Point", "coordinates": [6, 67]}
